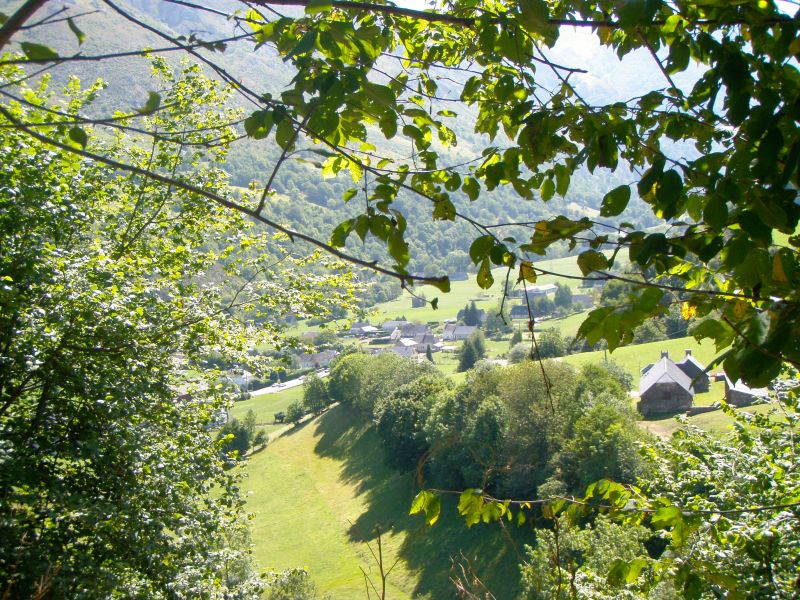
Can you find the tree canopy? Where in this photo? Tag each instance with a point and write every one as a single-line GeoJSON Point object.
{"type": "Point", "coordinates": [710, 147]}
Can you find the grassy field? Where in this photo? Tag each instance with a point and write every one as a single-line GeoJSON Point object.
{"type": "Point", "coordinates": [265, 407]}
{"type": "Point", "coordinates": [462, 292]}
{"type": "Point", "coordinates": [319, 492]}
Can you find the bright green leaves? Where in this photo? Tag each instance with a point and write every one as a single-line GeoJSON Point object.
{"type": "Point", "coordinates": [429, 503]}
{"type": "Point", "coordinates": [549, 232]}
{"type": "Point", "coordinates": [388, 229]}
{"type": "Point", "coordinates": [38, 52]}
{"type": "Point", "coordinates": [615, 201]}
{"type": "Point", "coordinates": [623, 572]}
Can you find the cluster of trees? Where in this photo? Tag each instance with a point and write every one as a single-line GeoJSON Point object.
{"type": "Point", "coordinates": [513, 430]}
{"type": "Point", "coordinates": [113, 480]}
{"type": "Point", "coordinates": [235, 438]}
{"type": "Point", "coordinates": [471, 315]}
{"type": "Point", "coordinates": [472, 350]}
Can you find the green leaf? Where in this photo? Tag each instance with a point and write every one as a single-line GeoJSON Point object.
{"type": "Point", "coordinates": [667, 516]}
{"type": "Point", "coordinates": [306, 44]}
{"type": "Point", "coordinates": [527, 272]}
{"type": "Point", "coordinates": [471, 188]}
{"type": "Point", "coordinates": [443, 284]}
{"type": "Point", "coordinates": [339, 235]}
{"type": "Point", "coordinates": [429, 503]}
{"type": "Point", "coordinates": [485, 278]}
{"type": "Point", "coordinates": [715, 213]}
{"type": "Point", "coordinates": [591, 260]}
{"type": "Point", "coordinates": [38, 52]}
{"type": "Point", "coordinates": [548, 189]}
{"type": "Point", "coordinates": [480, 248]}
{"type": "Point", "coordinates": [78, 33]}
{"type": "Point", "coordinates": [259, 124]}
{"type": "Point", "coordinates": [618, 572]}
{"type": "Point", "coordinates": [634, 569]}
{"type": "Point", "coordinates": [398, 248]}
{"type": "Point", "coordinates": [388, 125]}
{"type": "Point", "coordinates": [152, 104]}
{"type": "Point", "coordinates": [615, 201]}
{"type": "Point", "coordinates": [3, 18]}
{"type": "Point", "coordinates": [78, 135]}
{"type": "Point", "coordinates": [317, 6]}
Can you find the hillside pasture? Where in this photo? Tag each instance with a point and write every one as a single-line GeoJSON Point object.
{"type": "Point", "coordinates": [320, 493]}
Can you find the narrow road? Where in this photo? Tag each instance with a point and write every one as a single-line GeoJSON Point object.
{"type": "Point", "coordinates": [285, 385]}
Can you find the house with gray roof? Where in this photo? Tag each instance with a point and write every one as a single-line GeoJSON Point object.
{"type": "Point", "coordinates": [454, 331]}
{"type": "Point", "coordinates": [664, 388]}
{"type": "Point", "coordinates": [696, 371]}
{"type": "Point", "coordinates": [740, 394]}
{"type": "Point", "coordinates": [408, 330]}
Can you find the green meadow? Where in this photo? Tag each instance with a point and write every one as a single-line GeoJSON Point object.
{"type": "Point", "coordinates": [319, 495]}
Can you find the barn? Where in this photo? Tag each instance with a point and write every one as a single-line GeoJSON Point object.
{"type": "Point", "coordinates": [664, 388]}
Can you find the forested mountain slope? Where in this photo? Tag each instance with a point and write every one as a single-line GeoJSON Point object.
{"type": "Point", "coordinates": [303, 200]}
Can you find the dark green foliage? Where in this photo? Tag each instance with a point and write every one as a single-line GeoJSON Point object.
{"type": "Point", "coordinates": [470, 314]}
{"type": "Point", "coordinates": [516, 337]}
{"type": "Point", "coordinates": [238, 436]}
{"type": "Point", "coordinates": [604, 444]}
{"type": "Point", "coordinates": [472, 350]}
{"type": "Point", "coordinates": [429, 354]}
{"type": "Point", "coordinates": [361, 380]}
{"type": "Point", "coordinates": [465, 432]}
{"type": "Point", "coordinates": [315, 394]}
{"type": "Point", "coordinates": [295, 412]}
{"type": "Point", "coordinates": [107, 469]}
{"type": "Point", "coordinates": [401, 415]}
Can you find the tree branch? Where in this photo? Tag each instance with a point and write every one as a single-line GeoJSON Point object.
{"type": "Point", "coordinates": [16, 21]}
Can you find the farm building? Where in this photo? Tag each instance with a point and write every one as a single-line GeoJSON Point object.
{"type": "Point", "coordinates": [453, 331]}
{"type": "Point", "coordinates": [739, 394]}
{"type": "Point", "coordinates": [695, 371]}
{"type": "Point", "coordinates": [408, 330]}
{"type": "Point", "coordinates": [664, 388]}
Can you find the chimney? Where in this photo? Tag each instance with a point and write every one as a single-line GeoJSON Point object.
{"type": "Point", "coordinates": [664, 354]}
{"type": "Point", "coordinates": [688, 352]}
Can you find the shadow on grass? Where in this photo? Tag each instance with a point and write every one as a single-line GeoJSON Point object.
{"type": "Point", "coordinates": [429, 552]}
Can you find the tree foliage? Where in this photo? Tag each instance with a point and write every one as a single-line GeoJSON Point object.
{"type": "Point", "coordinates": [712, 148]}
{"type": "Point", "coordinates": [112, 483]}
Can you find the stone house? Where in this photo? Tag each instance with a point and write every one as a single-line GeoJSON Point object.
{"type": "Point", "coordinates": [740, 394]}
{"type": "Point", "coordinates": [695, 371]}
{"type": "Point", "coordinates": [664, 388]}
{"type": "Point", "coordinates": [454, 331]}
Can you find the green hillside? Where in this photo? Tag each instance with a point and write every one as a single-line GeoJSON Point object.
{"type": "Point", "coordinates": [319, 492]}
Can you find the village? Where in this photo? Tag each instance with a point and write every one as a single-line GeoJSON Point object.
{"type": "Point", "coordinates": [665, 388]}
